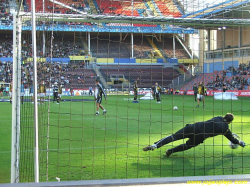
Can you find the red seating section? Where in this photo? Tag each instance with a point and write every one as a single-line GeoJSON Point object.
{"type": "Point", "coordinates": [168, 8]}
{"type": "Point", "coordinates": [58, 8]}
{"type": "Point", "coordinates": [126, 8]}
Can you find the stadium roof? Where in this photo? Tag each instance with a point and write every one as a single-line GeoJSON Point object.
{"type": "Point", "coordinates": [201, 14]}
{"type": "Point", "coordinates": [216, 9]}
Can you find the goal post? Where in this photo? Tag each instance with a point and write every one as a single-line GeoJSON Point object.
{"type": "Point", "coordinates": [61, 136]}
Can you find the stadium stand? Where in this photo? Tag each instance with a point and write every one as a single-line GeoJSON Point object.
{"type": "Point", "coordinates": [6, 43]}
{"type": "Point", "coordinates": [168, 8]}
{"type": "Point", "coordinates": [79, 5]}
{"type": "Point", "coordinates": [105, 47]}
{"type": "Point", "coordinates": [148, 74]}
{"type": "Point", "coordinates": [5, 17]}
{"type": "Point", "coordinates": [166, 47]}
{"type": "Point", "coordinates": [215, 81]}
{"type": "Point", "coordinates": [118, 7]}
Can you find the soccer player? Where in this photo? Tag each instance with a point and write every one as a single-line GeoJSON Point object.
{"type": "Point", "coordinates": [55, 93]}
{"type": "Point", "coordinates": [7, 89]}
{"type": "Point", "coordinates": [90, 90]}
{"type": "Point", "coordinates": [135, 89]}
{"type": "Point", "coordinates": [1, 90]}
{"type": "Point", "coordinates": [157, 92]}
{"type": "Point", "coordinates": [22, 92]}
{"type": "Point", "coordinates": [201, 94]}
{"type": "Point", "coordinates": [99, 91]}
{"type": "Point", "coordinates": [71, 91]}
{"type": "Point", "coordinates": [153, 90]}
{"type": "Point", "coordinates": [42, 92]}
{"type": "Point", "coordinates": [195, 89]}
{"type": "Point", "coordinates": [10, 92]}
{"type": "Point", "coordinates": [32, 92]}
{"type": "Point", "coordinates": [60, 92]}
{"type": "Point", "coordinates": [197, 133]}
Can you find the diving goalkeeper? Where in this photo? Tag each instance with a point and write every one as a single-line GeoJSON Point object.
{"type": "Point", "coordinates": [197, 133]}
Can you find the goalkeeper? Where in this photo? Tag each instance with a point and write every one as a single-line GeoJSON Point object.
{"type": "Point", "coordinates": [197, 133]}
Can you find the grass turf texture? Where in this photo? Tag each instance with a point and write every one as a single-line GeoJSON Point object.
{"type": "Point", "coordinates": [86, 147]}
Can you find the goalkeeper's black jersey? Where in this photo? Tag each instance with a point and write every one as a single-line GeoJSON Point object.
{"type": "Point", "coordinates": [213, 127]}
{"type": "Point", "coordinates": [99, 91]}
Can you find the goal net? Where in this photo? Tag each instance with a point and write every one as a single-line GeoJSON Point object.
{"type": "Point", "coordinates": [135, 49]}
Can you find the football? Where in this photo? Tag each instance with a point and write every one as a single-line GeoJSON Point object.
{"type": "Point", "coordinates": [232, 145]}
{"type": "Point", "coordinates": [175, 108]}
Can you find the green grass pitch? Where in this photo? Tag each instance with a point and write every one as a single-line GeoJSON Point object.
{"type": "Point", "coordinates": [87, 147]}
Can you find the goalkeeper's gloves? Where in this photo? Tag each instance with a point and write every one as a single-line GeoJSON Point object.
{"type": "Point", "coordinates": [242, 144]}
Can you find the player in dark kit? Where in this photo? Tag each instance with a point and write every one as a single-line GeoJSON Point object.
{"type": "Point", "coordinates": [195, 89]}
{"type": "Point", "coordinates": [99, 91]}
{"type": "Point", "coordinates": [197, 133]}
{"type": "Point", "coordinates": [1, 90]}
{"type": "Point", "coordinates": [71, 91]}
{"type": "Point", "coordinates": [135, 89]}
{"type": "Point", "coordinates": [55, 93]}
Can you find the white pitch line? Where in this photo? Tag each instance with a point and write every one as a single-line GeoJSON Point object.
{"type": "Point", "coordinates": [109, 147]}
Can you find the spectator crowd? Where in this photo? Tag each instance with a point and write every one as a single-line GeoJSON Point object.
{"type": "Point", "coordinates": [239, 79]}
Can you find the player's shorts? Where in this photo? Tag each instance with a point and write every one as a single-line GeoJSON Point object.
{"type": "Point", "coordinates": [31, 94]}
{"type": "Point", "coordinates": [60, 95]}
{"type": "Point", "coordinates": [10, 94]}
{"type": "Point", "coordinates": [99, 100]}
{"type": "Point", "coordinates": [42, 94]}
{"type": "Point", "coordinates": [200, 96]}
{"type": "Point", "coordinates": [22, 94]}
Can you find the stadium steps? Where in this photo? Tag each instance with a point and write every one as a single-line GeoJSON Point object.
{"type": "Point", "coordinates": [94, 6]}
{"type": "Point", "coordinates": [178, 5]}
{"type": "Point", "coordinates": [151, 6]}
{"type": "Point", "coordinates": [156, 8]}
{"type": "Point", "coordinates": [158, 52]}
{"type": "Point", "coordinates": [159, 44]}
{"type": "Point", "coordinates": [103, 81]}
{"type": "Point", "coordinates": [187, 85]}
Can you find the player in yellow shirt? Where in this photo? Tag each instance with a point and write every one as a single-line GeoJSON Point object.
{"type": "Point", "coordinates": [60, 92]}
{"type": "Point", "coordinates": [201, 94]}
{"type": "Point", "coordinates": [157, 92]}
{"type": "Point", "coordinates": [42, 91]}
{"type": "Point", "coordinates": [10, 92]}
{"type": "Point", "coordinates": [136, 89]}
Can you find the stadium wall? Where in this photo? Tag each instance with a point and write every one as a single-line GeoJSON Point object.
{"type": "Point", "coordinates": [240, 93]}
{"type": "Point", "coordinates": [98, 60]}
{"type": "Point", "coordinates": [230, 37]}
{"type": "Point", "coordinates": [127, 61]}
{"type": "Point", "coordinates": [222, 64]}
{"type": "Point", "coordinates": [245, 36]}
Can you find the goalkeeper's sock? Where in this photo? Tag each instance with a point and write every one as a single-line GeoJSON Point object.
{"type": "Point", "coordinates": [154, 145]}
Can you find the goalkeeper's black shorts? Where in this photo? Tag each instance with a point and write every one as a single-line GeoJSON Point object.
{"type": "Point", "coordinates": [99, 100]}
